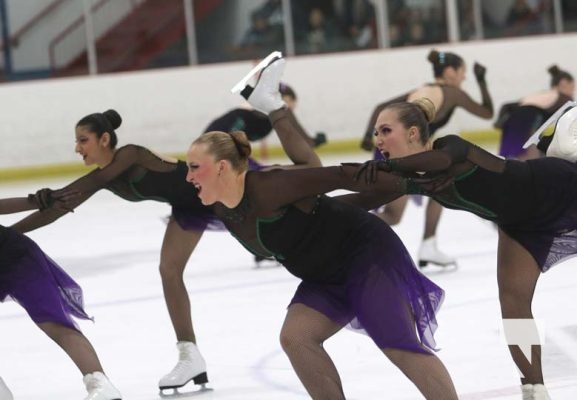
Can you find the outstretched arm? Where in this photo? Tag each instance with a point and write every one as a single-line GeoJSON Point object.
{"type": "Point", "coordinates": [17, 204]}
{"type": "Point", "coordinates": [86, 186]}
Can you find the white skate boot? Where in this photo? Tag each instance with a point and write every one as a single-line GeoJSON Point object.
{"type": "Point", "coordinates": [265, 95]}
{"type": "Point", "coordinates": [99, 387]}
{"type": "Point", "coordinates": [564, 142]}
{"type": "Point", "coordinates": [190, 367]}
{"type": "Point", "coordinates": [534, 392]}
{"type": "Point", "coordinates": [429, 253]}
{"type": "Point", "coordinates": [553, 119]}
{"type": "Point", "coordinates": [5, 393]}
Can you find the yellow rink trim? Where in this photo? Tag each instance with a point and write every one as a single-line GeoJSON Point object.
{"type": "Point", "coordinates": [480, 137]}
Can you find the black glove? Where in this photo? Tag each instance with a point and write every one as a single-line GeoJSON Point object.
{"type": "Point", "coordinates": [479, 72]}
{"type": "Point", "coordinates": [46, 198]}
{"type": "Point", "coordinates": [370, 169]}
{"type": "Point", "coordinates": [428, 185]}
{"type": "Point", "coordinates": [320, 139]}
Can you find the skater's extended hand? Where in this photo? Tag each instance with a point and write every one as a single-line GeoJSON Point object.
{"type": "Point", "coordinates": [370, 169]}
{"type": "Point", "coordinates": [46, 198]}
{"type": "Point", "coordinates": [428, 185]}
{"type": "Point", "coordinates": [479, 71]}
{"type": "Point", "coordinates": [415, 183]}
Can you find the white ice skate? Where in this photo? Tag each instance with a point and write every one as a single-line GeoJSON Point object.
{"type": "Point", "coordinates": [534, 392]}
{"type": "Point", "coordinates": [99, 387]}
{"type": "Point", "coordinates": [430, 254]}
{"type": "Point", "coordinates": [535, 137]}
{"type": "Point", "coordinates": [5, 393]}
{"type": "Point", "coordinates": [265, 95]}
{"type": "Point", "coordinates": [564, 142]}
{"type": "Point", "coordinates": [190, 367]}
{"type": "Point", "coordinates": [259, 67]}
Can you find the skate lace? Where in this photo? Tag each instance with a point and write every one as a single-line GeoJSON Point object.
{"type": "Point", "coordinates": [181, 367]}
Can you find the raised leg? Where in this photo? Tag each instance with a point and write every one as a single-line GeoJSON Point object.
{"type": "Point", "coordinates": [517, 275]}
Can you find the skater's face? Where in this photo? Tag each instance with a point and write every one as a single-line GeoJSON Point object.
{"type": "Point", "coordinates": [393, 139]}
{"type": "Point", "coordinates": [566, 87]}
{"type": "Point", "coordinates": [92, 149]}
{"type": "Point", "coordinates": [204, 172]}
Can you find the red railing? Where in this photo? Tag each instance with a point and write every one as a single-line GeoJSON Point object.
{"type": "Point", "coordinates": [66, 31]}
{"type": "Point", "coordinates": [23, 30]}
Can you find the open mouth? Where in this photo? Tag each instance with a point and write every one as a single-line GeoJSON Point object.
{"type": "Point", "coordinates": [384, 153]}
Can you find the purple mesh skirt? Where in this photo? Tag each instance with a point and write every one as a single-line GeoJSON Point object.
{"type": "Point", "coordinates": [517, 129]}
{"type": "Point", "coordinates": [37, 283]}
{"type": "Point", "coordinates": [384, 296]}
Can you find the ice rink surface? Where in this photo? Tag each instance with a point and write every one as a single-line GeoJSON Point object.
{"type": "Point", "coordinates": [111, 247]}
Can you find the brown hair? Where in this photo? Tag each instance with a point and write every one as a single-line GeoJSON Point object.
{"type": "Point", "coordinates": [419, 113]}
{"type": "Point", "coordinates": [233, 147]}
{"type": "Point", "coordinates": [557, 75]}
{"type": "Point", "coordinates": [442, 60]}
{"type": "Point", "coordinates": [100, 123]}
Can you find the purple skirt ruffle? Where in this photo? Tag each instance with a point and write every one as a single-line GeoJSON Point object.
{"type": "Point", "coordinates": [517, 129]}
{"type": "Point", "coordinates": [37, 283]}
{"type": "Point", "coordinates": [384, 296]}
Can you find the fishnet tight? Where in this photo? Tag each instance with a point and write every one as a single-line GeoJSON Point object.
{"type": "Point", "coordinates": [302, 336]}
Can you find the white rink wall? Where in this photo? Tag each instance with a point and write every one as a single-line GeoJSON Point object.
{"type": "Point", "coordinates": [166, 109]}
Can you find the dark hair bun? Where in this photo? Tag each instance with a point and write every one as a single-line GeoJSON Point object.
{"type": "Point", "coordinates": [433, 56]}
{"type": "Point", "coordinates": [553, 69]}
{"type": "Point", "coordinates": [113, 118]}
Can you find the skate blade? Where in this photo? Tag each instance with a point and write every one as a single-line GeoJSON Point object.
{"type": "Point", "coordinates": [184, 395]}
{"type": "Point", "coordinates": [534, 139]}
{"type": "Point", "coordinates": [449, 267]}
{"type": "Point", "coordinates": [261, 65]}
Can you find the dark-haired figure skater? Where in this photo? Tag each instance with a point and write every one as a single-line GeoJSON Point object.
{"type": "Point", "coordinates": [519, 120]}
{"type": "Point", "coordinates": [354, 268]}
{"type": "Point", "coordinates": [49, 295]}
{"type": "Point", "coordinates": [446, 94]}
{"type": "Point", "coordinates": [135, 173]}
{"type": "Point", "coordinates": [256, 125]}
{"type": "Point", "coordinates": [533, 203]}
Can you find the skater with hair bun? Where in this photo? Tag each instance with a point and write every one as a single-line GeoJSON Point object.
{"type": "Point", "coordinates": [532, 202]}
{"type": "Point", "coordinates": [355, 271]}
{"type": "Point", "coordinates": [446, 94]}
{"type": "Point", "coordinates": [135, 173]}
{"type": "Point", "coordinates": [519, 120]}
{"type": "Point", "coordinates": [48, 294]}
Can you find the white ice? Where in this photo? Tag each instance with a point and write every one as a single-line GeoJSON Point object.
{"type": "Point", "coordinates": [111, 247]}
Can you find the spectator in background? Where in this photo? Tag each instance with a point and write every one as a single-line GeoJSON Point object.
{"type": "Point", "coordinates": [357, 21]}
{"type": "Point", "coordinates": [528, 19]}
{"type": "Point", "coordinates": [321, 33]}
{"type": "Point", "coordinates": [261, 37]}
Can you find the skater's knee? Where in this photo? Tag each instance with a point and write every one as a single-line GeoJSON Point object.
{"type": "Point", "coordinates": [515, 306]}
{"type": "Point", "coordinates": [171, 271]}
{"type": "Point", "coordinates": [293, 341]}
